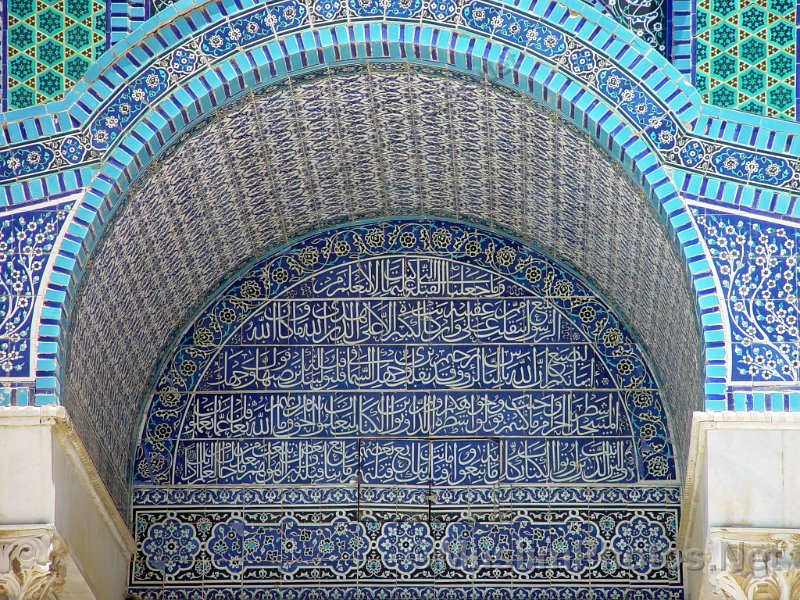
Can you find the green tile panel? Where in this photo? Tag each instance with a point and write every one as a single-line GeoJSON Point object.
{"type": "Point", "coordinates": [746, 55]}
{"type": "Point", "coordinates": [49, 46]}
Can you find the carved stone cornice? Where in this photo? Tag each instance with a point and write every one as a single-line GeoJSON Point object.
{"type": "Point", "coordinates": [32, 565]}
{"type": "Point", "coordinates": [754, 564]}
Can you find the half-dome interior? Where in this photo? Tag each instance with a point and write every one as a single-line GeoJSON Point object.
{"type": "Point", "coordinates": [342, 145]}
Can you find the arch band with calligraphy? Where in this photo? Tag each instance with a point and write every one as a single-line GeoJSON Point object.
{"type": "Point", "coordinates": [415, 407]}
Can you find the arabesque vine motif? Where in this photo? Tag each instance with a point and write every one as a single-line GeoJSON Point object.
{"type": "Point", "coordinates": [26, 242]}
{"type": "Point", "coordinates": [756, 263]}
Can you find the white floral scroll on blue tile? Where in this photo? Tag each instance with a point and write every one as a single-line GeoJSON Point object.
{"type": "Point", "coordinates": [756, 262]}
{"type": "Point", "coordinates": [27, 240]}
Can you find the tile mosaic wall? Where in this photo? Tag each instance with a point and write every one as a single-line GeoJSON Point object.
{"type": "Point", "coordinates": [351, 396]}
{"type": "Point", "coordinates": [47, 45]}
{"type": "Point", "coordinates": [746, 55]}
{"type": "Point", "coordinates": [27, 239]}
{"type": "Point", "coordinates": [466, 161]}
{"type": "Point", "coordinates": [216, 154]}
{"type": "Point", "coordinates": [708, 154]}
{"type": "Point", "coordinates": [340, 542]}
{"type": "Point", "coordinates": [757, 266]}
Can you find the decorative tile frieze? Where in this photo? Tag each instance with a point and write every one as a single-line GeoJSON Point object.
{"type": "Point", "coordinates": [463, 592]}
{"type": "Point", "coordinates": [645, 18]}
{"type": "Point", "coordinates": [364, 551]}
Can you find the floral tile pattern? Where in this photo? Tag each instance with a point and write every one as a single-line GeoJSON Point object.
{"type": "Point", "coordinates": [26, 242]}
{"type": "Point", "coordinates": [47, 47]}
{"type": "Point", "coordinates": [757, 266]}
{"type": "Point", "coordinates": [646, 18]}
{"type": "Point", "coordinates": [343, 542]}
{"type": "Point", "coordinates": [746, 55]}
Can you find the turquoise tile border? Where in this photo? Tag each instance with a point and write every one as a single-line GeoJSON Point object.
{"type": "Point", "coordinates": [601, 121]}
{"type": "Point", "coordinates": [578, 97]}
{"type": "Point", "coordinates": [665, 84]}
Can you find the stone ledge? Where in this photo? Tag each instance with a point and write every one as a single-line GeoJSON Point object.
{"type": "Point", "coordinates": [748, 419]}
{"type": "Point", "coordinates": [24, 416]}
{"type": "Point", "coordinates": [51, 481]}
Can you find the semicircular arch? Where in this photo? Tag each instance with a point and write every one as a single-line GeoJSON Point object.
{"type": "Point", "coordinates": [274, 203]}
{"type": "Point", "coordinates": [627, 122]}
{"type": "Point", "coordinates": [544, 327]}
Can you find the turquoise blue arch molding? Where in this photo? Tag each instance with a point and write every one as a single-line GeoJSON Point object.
{"type": "Point", "coordinates": [80, 155]}
{"type": "Point", "coordinates": [108, 160]}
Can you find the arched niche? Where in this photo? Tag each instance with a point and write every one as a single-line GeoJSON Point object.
{"type": "Point", "coordinates": [368, 140]}
{"type": "Point", "coordinates": [405, 407]}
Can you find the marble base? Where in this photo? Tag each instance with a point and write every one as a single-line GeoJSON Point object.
{"type": "Point", "coordinates": [61, 536]}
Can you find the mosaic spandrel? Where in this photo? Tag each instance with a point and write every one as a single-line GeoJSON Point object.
{"type": "Point", "coordinates": [746, 55]}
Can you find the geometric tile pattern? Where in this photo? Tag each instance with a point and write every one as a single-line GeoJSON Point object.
{"type": "Point", "coordinates": [332, 146]}
{"type": "Point", "coordinates": [47, 47]}
{"type": "Point", "coordinates": [746, 55]}
{"type": "Point", "coordinates": [377, 380]}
